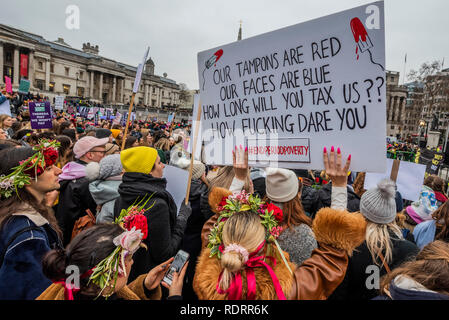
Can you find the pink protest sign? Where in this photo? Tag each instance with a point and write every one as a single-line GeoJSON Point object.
{"type": "Point", "coordinates": [8, 84]}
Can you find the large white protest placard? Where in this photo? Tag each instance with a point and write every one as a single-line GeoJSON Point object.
{"type": "Point", "coordinates": [321, 80]}
{"type": "Point", "coordinates": [409, 179]}
{"type": "Point", "coordinates": [59, 102]}
{"type": "Point", "coordinates": [139, 71]}
{"type": "Point", "coordinates": [195, 124]}
{"type": "Point", "coordinates": [177, 180]}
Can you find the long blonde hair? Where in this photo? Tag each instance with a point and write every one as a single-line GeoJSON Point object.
{"type": "Point", "coordinates": [244, 229]}
{"type": "Point", "coordinates": [224, 178]}
{"type": "Point", "coordinates": [378, 240]}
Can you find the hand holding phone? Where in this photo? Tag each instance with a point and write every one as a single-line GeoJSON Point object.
{"type": "Point", "coordinates": [178, 263]}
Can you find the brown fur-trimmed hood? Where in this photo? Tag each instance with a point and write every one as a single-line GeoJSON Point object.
{"type": "Point", "coordinates": [208, 271]}
{"type": "Point", "coordinates": [215, 196]}
{"type": "Point", "coordinates": [339, 228]}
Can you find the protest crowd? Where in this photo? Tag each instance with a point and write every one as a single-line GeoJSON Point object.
{"type": "Point", "coordinates": [72, 196]}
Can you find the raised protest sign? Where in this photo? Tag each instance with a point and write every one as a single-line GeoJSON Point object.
{"type": "Point", "coordinates": [409, 178]}
{"type": "Point", "coordinates": [59, 102]}
{"type": "Point", "coordinates": [24, 86]}
{"type": "Point", "coordinates": [118, 118]}
{"type": "Point", "coordinates": [139, 71]}
{"type": "Point", "coordinates": [196, 101]}
{"type": "Point", "coordinates": [8, 84]}
{"type": "Point", "coordinates": [5, 108]}
{"type": "Point", "coordinates": [40, 115]}
{"type": "Point", "coordinates": [177, 180]}
{"type": "Point", "coordinates": [321, 82]}
{"type": "Point", "coordinates": [431, 159]}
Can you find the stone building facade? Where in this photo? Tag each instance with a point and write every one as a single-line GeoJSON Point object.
{"type": "Point", "coordinates": [396, 105]}
{"type": "Point", "coordinates": [55, 68]}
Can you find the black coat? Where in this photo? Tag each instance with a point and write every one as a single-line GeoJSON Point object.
{"type": "Point", "coordinates": [309, 199]}
{"type": "Point", "coordinates": [324, 199]}
{"type": "Point", "coordinates": [74, 200]}
{"type": "Point", "coordinates": [165, 231]}
{"type": "Point", "coordinates": [354, 285]}
{"type": "Point", "coordinates": [192, 236]}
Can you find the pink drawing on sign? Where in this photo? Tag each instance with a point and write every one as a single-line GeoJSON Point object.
{"type": "Point", "coordinates": [362, 40]}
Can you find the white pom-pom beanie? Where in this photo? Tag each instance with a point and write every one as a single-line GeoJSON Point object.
{"type": "Point", "coordinates": [282, 185]}
{"type": "Point", "coordinates": [378, 204]}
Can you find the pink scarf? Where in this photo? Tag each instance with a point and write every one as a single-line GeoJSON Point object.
{"type": "Point", "coordinates": [235, 289]}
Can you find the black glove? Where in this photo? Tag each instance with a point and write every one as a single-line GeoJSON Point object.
{"type": "Point", "coordinates": [185, 211]}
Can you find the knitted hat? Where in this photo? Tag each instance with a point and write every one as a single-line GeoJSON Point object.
{"type": "Point", "coordinates": [138, 159]}
{"type": "Point", "coordinates": [102, 133]}
{"type": "Point", "coordinates": [115, 133]}
{"type": "Point", "coordinates": [282, 184]}
{"type": "Point", "coordinates": [111, 148]}
{"type": "Point", "coordinates": [378, 204]}
{"type": "Point", "coordinates": [109, 166]}
{"type": "Point", "coordinates": [198, 169]}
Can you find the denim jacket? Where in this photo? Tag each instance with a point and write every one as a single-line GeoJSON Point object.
{"type": "Point", "coordinates": [21, 276]}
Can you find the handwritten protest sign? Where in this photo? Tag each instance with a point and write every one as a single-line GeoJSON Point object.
{"type": "Point", "coordinates": [321, 81]}
{"type": "Point", "coordinates": [40, 115]}
{"type": "Point", "coordinates": [59, 102]}
{"type": "Point", "coordinates": [409, 178]}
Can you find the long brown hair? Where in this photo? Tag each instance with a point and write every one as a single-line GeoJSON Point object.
{"type": "Point", "coordinates": [359, 183]}
{"type": "Point", "coordinates": [224, 178]}
{"type": "Point", "coordinates": [10, 158]}
{"type": "Point", "coordinates": [430, 269]}
{"type": "Point", "coordinates": [293, 211]}
{"type": "Point", "coordinates": [441, 216]}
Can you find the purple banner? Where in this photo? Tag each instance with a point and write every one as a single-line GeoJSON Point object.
{"type": "Point", "coordinates": [40, 115]}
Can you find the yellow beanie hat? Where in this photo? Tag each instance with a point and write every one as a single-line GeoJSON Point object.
{"type": "Point", "coordinates": [138, 159]}
{"type": "Point", "coordinates": [115, 133]}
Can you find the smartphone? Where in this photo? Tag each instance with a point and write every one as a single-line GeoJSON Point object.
{"type": "Point", "coordinates": [176, 266]}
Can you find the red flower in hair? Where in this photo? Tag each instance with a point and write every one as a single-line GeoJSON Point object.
{"type": "Point", "coordinates": [277, 212]}
{"type": "Point", "coordinates": [139, 221]}
{"type": "Point", "coordinates": [50, 156]}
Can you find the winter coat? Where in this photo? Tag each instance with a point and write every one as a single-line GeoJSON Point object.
{"type": "Point", "coordinates": [165, 230]}
{"type": "Point", "coordinates": [405, 288]}
{"type": "Point", "coordinates": [337, 233]}
{"type": "Point", "coordinates": [425, 233]}
{"type": "Point", "coordinates": [133, 291]}
{"type": "Point", "coordinates": [21, 276]}
{"type": "Point", "coordinates": [441, 198]}
{"type": "Point", "coordinates": [74, 197]}
{"type": "Point", "coordinates": [354, 285]}
{"type": "Point", "coordinates": [323, 199]}
{"type": "Point", "coordinates": [191, 242]}
{"type": "Point", "coordinates": [299, 242]}
{"type": "Point", "coordinates": [104, 192]}
{"type": "Point", "coordinates": [309, 200]}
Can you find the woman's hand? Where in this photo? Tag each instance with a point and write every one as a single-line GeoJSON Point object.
{"type": "Point", "coordinates": [240, 163]}
{"type": "Point", "coordinates": [155, 276]}
{"type": "Point", "coordinates": [332, 165]}
{"type": "Point", "coordinates": [176, 285]}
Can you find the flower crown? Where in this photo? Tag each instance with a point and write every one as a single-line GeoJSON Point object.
{"type": "Point", "coordinates": [134, 222]}
{"type": "Point", "coordinates": [270, 216]}
{"type": "Point", "coordinates": [46, 156]}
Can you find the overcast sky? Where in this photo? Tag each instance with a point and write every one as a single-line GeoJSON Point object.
{"type": "Point", "coordinates": [176, 30]}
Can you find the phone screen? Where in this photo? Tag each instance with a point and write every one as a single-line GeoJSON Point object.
{"type": "Point", "coordinates": [176, 266]}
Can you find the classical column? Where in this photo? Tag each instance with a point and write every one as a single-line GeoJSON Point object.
{"type": "Point", "coordinates": [390, 108]}
{"type": "Point", "coordinates": [121, 90]}
{"type": "Point", "coordinates": [91, 85]}
{"type": "Point", "coordinates": [100, 88]}
{"type": "Point", "coordinates": [16, 79]}
{"type": "Point", "coordinates": [31, 67]}
{"type": "Point", "coordinates": [114, 88]}
{"type": "Point", "coordinates": [393, 107]}
{"type": "Point", "coordinates": [150, 94]}
{"type": "Point", "coordinates": [159, 97]}
{"type": "Point", "coordinates": [145, 97]}
{"type": "Point", "coordinates": [47, 75]}
{"type": "Point", "coordinates": [2, 79]}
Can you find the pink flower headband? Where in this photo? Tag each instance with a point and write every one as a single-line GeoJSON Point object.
{"type": "Point", "coordinates": [237, 248]}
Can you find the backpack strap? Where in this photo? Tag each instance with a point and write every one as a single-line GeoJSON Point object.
{"type": "Point", "coordinates": [381, 256]}
{"type": "Point", "coordinates": [14, 237]}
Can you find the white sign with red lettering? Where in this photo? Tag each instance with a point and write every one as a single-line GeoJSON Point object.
{"type": "Point", "coordinates": [285, 150]}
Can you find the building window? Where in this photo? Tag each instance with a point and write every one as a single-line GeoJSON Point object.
{"type": "Point", "coordinates": [40, 84]}
{"type": "Point", "coordinates": [51, 87]}
{"type": "Point", "coordinates": [154, 90]}
{"type": "Point", "coordinates": [40, 65]}
{"type": "Point", "coordinates": [81, 74]}
{"type": "Point", "coordinates": [67, 71]}
{"type": "Point", "coordinates": [392, 127]}
{"type": "Point", "coordinates": [66, 88]}
{"type": "Point", "coordinates": [8, 57]}
{"type": "Point", "coordinates": [80, 92]}
{"type": "Point", "coordinates": [52, 68]}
